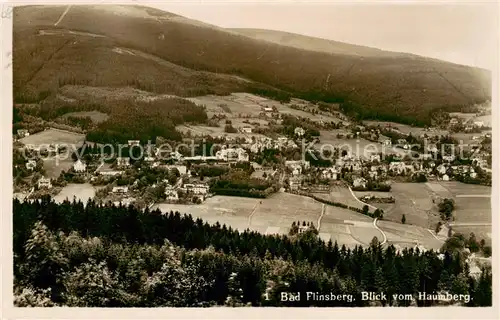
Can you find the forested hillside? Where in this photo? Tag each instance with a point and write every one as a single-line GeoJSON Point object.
{"type": "Point", "coordinates": [105, 256]}
{"type": "Point", "coordinates": [79, 50]}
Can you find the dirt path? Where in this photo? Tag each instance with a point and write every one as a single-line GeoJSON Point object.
{"type": "Point", "coordinates": [252, 214]}
{"type": "Point", "coordinates": [354, 196]}
{"type": "Point", "coordinates": [321, 216]}
{"type": "Point", "coordinates": [380, 230]}
{"type": "Point", "coordinates": [62, 16]}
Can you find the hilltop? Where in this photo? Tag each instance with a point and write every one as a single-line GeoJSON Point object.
{"type": "Point", "coordinates": [153, 50]}
{"type": "Point", "coordinates": [316, 44]}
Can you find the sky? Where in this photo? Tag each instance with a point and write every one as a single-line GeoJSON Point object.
{"type": "Point", "coordinates": [460, 33]}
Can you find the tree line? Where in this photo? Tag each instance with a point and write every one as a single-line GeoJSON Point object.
{"type": "Point", "coordinates": [102, 255]}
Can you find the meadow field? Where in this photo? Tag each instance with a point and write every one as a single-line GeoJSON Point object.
{"type": "Point", "coordinates": [336, 224]}
{"type": "Point", "coordinates": [415, 201]}
{"type": "Point", "coordinates": [358, 147]}
{"type": "Point", "coordinates": [81, 192]}
{"type": "Point", "coordinates": [404, 235]}
{"type": "Point", "coordinates": [54, 136]}
{"type": "Point", "coordinates": [55, 165]}
{"type": "Point", "coordinates": [472, 202]}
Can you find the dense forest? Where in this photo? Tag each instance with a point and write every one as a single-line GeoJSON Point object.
{"type": "Point", "coordinates": [176, 57]}
{"type": "Point", "coordinates": [128, 119]}
{"type": "Point", "coordinates": [96, 255]}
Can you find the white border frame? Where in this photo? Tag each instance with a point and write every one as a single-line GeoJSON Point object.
{"type": "Point", "coordinates": [10, 312]}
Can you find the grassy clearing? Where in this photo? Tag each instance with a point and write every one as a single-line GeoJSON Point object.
{"type": "Point", "coordinates": [95, 116]}
{"type": "Point", "coordinates": [82, 192]}
{"type": "Point", "coordinates": [342, 195]}
{"type": "Point", "coordinates": [54, 136]}
{"type": "Point", "coordinates": [414, 200]}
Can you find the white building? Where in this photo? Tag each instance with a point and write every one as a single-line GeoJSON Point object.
{"type": "Point", "coordinates": [375, 157]}
{"type": "Point", "coordinates": [299, 131]}
{"type": "Point", "coordinates": [246, 129]}
{"type": "Point", "coordinates": [231, 154]}
{"type": "Point", "coordinates": [79, 166]}
{"type": "Point", "coordinates": [31, 165]}
{"type": "Point", "coordinates": [198, 189]}
{"type": "Point", "coordinates": [432, 148]}
{"type": "Point", "coordinates": [181, 168]}
{"type": "Point", "coordinates": [171, 194]}
{"type": "Point", "coordinates": [120, 189]}
{"type": "Point", "coordinates": [387, 142]}
{"type": "Point", "coordinates": [21, 133]}
{"type": "Point", "coordinates": [330, 173]}
{"type": "Point", "coordinates": [426, 156]}
{"type": "Point", "coordinates": [132, 143]}
{"type": "Point", "coordinates": [449, 158]}
{"type": "Point", "coordinates": [305, 164]}
{"type": "Point", "coordinates": [479, 123]}
{"type": "Point", "coordinates": [110, 173]}
{"type": "Point", "coordinates": [296, 169]}
{"type": "Point", "coordinates": [441, 169]}
{"type": "Point", "coordinates": [295, 183]}
{"type": "Point", "coordinates": [122, 162]}
{"type": "Point", "coordinates": [176, 155]}
{"type": "Point", "coordinates": [359, 183]}
{"type": "Point", "coordinates": [44, 183]}
{"type": "Point", "coordinates": [446, 177]}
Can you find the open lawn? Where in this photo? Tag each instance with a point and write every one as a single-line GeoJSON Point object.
{"type": "Point", "coordinates": [233, 212]}
{"type": "Point", "coordinates": [342, 195]}
{"type": "Point", "coordinates": [415, 201]}
{"type": "Point", "coordinates": [472, 202]}
{"type": "Point", "coordinates": [282, 209]}
{"type": "Point", "coordinates": [406, 129]}
{"type": "Point", "coordinates": [82, 192]}
{"type": "Point", "coordinates": [275, 215]}
{"type": "Point", "coordinates": [55, 165]}
{"type": "Point", "coordinates": [54, 136]}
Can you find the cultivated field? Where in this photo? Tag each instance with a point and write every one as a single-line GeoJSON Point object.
{"type": "Point", "coordinates": [81, 192]}
{"type": "Point", "coordinates": [472, 202]}
{"type": "Point", "coordinates": [415, 201]}
{"type": "Point", "coordinates": [408, 235]}
{"type": "Point", "coordinates": [54, 136]}
{"type": "Point", "coordinates": [338, 224]}
{"type": "Point", "coordinates": [55, 165]}
{"type": "Point", "coordinates": [232, 211]}
{"type": "Point", "coordinates": [341, 194]}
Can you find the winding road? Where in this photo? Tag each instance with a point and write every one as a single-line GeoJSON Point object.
{"type": "Point", "coordinates": [374, 220]}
